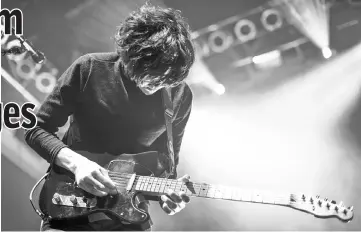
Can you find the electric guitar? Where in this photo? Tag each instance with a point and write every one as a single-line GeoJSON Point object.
{"type": "Point", "coordinates": [59, 198]}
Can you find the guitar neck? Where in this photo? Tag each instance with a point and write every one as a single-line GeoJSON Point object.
{"type": "Point", "coordinates": [158, 186]}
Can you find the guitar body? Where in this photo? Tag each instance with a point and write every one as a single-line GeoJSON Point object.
{"type": "Point", "coordinates": [60, 198]}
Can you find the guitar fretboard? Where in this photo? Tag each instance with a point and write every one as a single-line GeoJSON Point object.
{"type": "Point", "coordinates": [158, 186]}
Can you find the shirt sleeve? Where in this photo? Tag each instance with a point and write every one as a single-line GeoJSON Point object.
{"type": "Point", "coordinates": [180, 123]}
{"type": "Point", "coordinates": [55, 110]}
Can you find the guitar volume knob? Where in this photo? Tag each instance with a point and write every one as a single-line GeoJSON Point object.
{"type": "Point", "coordinates": [74, 200]}
{"type": "Point", "coordinates": [341, 204]}
{"type": "Point", "coordinates": [57, 198]}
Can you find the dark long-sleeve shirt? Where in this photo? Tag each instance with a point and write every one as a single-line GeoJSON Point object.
{"type": "Point", "coordinates": [108, 112]}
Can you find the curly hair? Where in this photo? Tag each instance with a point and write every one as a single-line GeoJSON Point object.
{"type": "Point", "coordinates": [155, 46]}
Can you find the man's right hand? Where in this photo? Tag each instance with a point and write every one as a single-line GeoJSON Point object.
{"type": "Point", "coordinates": [94, 179]}
{"type": "Point", "coordinates": [89, 175]}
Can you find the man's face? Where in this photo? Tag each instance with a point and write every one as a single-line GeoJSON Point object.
{"type": "Point", "coordinates": [147, 90]}
{"type": "Point", "coordinates": [147, 87]}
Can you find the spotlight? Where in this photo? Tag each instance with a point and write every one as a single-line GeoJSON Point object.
{"type": "Point", "coordinates": [220, 89]}
{"type": "Point", "coordinates": [326, 52]}
{"type": "Point", "coordinates": [268, 60]}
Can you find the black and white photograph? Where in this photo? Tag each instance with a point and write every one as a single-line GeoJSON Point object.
{"type": "Point", "coordinates": [180, 115]}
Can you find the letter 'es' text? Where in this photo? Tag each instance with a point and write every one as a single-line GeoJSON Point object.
{"type": "Point", "coordinates": [14, 116]}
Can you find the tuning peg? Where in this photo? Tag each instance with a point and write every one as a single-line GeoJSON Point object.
{"type": "Point", "coordinates": [319, 202]}
{"type": "Point", "coordinates": [333, 202]}
{"type": "Point", "coordinates": [326, 199]}
{"type": "Point", "coordinates": [317, 196]}
{"type": "Point", "coordinates": [350, 208]}
{"type": "Point", "coordinates": [311, 200]}
{"type": "Point", "coordinates": [328, 205]}
{"type": "Point", "coordinates": [341, 204]}
{"type": "Point", "coordinates": [303, 197]}
{"type": "Point", "coordinates": [345, 211]}
{"type": "Point", "coordinates": [336, 208]}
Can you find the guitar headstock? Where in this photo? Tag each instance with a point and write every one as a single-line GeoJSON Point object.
{"type": "Point", "coordinates": [321, 207]}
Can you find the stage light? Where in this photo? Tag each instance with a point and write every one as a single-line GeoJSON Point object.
{"type": "Point", "coordinates": [250, 34]}
{"type": "Point", "coordinates": [311, 17]}
{"type": "Point", "coordinates": [326, 52]}
{"type": "Point", "coordinates": [219, 41]}
{"type": "Point", "coordinates": [268, 60]}
{"type": "Point", "coordinates": [271, 26]}
{"type": "Point", "coordinates": [220, 89]}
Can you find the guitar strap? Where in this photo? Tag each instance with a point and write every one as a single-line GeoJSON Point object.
{"type": "Point", "coordinates": [168, 115]}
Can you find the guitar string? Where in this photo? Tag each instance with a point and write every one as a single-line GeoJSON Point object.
{"type": "Point", "coordinates": [173, 182]}
{"type": "Point", "coordinates": [118, 177]}
{"type": "Point", "coordinates": [163, 181]}
{"type": "Point", "coordinates": [275, 201]}
{"type": "Point", "coordinates": [176, 184]}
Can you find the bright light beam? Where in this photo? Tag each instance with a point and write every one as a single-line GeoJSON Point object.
{"type": "Point", "coordinates": [311, 17]}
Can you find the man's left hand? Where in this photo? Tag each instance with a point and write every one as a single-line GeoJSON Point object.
{"type": "Point", "coordinates": [173, 202]}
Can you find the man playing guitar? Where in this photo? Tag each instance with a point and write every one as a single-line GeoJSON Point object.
{"type": "Point", "coordinates": [116, 107]}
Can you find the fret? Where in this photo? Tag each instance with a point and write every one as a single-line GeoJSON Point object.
{"type": "Point", "coordinates": [154, 185]}
{"type": "Point", "coordinates": [197, 190]}
{"type": "Point", "coordinates": [246, 195]}
{"type": "Point", "coordinates": [192, 189]}
{"type": "Point", "coordinates": [203, 190]}
{"type": "Point", "coordinates": [159, 185]}
{"type": "Point", "coordinates": [236, 195]}
{"type": "Point", "coordinates": [218, 193]}
{"type": "Point", "coordinates": [211, 191]}
{"type": "Point", "coordinates": [187, 188]}
{"type": "Point", "coordinates": [163, 186]}
{"type": "Point", "coordinates": [282, 199]}
{"type": "Point", "coordinates": [228, 193]}
{"type": "Point", "coordinates": [172, 185]}
{"type": "Point", "coordinates": [256, 197]}
{"type": "Point", "coordinates": [268, 198]}
{"type": "Point", "coordinates": [184, 187]}
{"type": "Point", "coordinates": [145, 185]}
{"type": "Point", "coordinates": [177, 186]}
{"type": "Point", "coordinates": [167, 185]}
{"type": "Point", "coordinates": [149, 184]}
{"type": "Point", "coordinates": [142, 184]}
{"type": "Point", "coordinates": [138, 183]}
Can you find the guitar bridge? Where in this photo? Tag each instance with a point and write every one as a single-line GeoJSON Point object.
{"type": "Point", "coordinates": [74, 201]}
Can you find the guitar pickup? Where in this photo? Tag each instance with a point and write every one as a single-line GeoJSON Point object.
{"type": "Point", "coordinates": [74, 201]}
